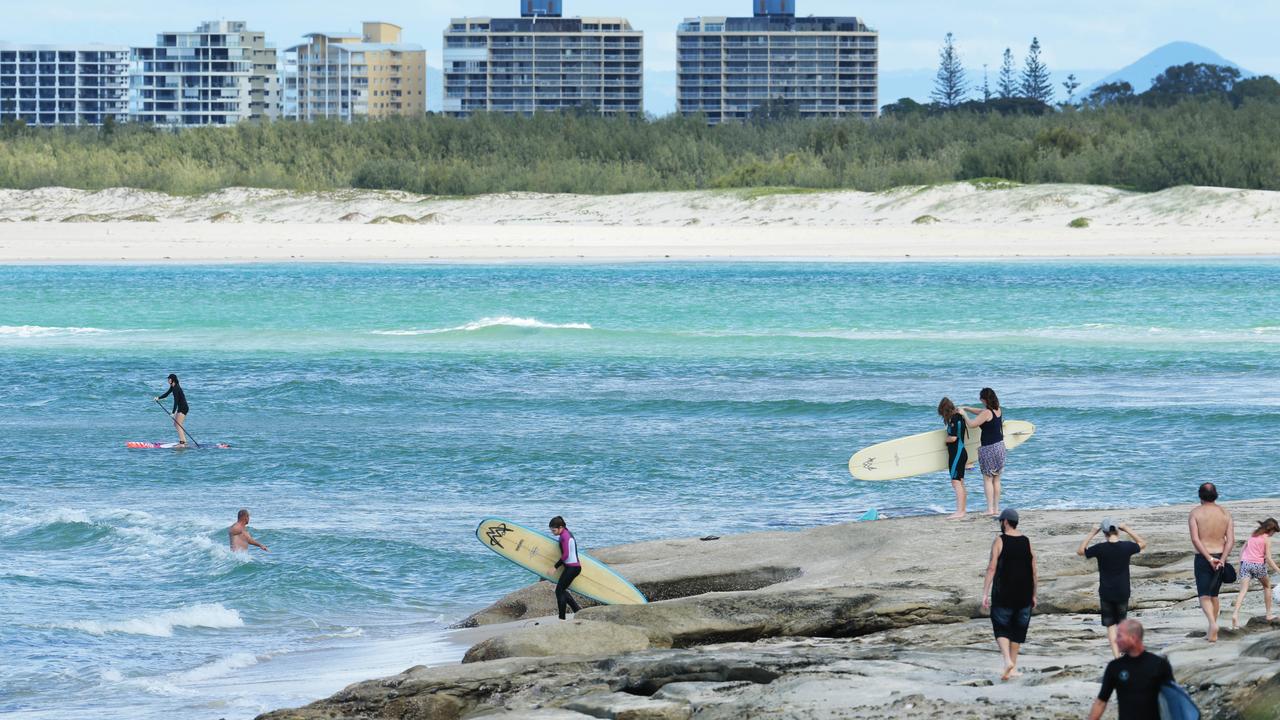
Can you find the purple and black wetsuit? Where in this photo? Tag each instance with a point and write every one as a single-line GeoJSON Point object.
{"type": "Point", "coordinates": [572, 568]}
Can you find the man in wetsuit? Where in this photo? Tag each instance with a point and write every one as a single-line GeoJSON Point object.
{"type": "Point", "coordinates": [1135, 677]}
{"type": "Point", "coordinates": [180, 408]}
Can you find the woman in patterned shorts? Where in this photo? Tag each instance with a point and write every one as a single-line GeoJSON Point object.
{"type": "Point", "coordinates": [991, 455]}
{"type": "Point", "coordinates": [1254, 560]}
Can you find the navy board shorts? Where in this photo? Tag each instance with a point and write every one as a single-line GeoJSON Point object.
{"type": "Point", "coordinates": [1011, 623]}
{"type": "Point", "coordinates": [1208, 580]}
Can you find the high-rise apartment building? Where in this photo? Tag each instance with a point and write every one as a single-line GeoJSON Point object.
{"type": "Point", "coordinates": [543, 62]}
{"type": "Point", "coordinates": [64, 84]}
{"type": "Point", "coordinates": [347, 76]}
{"type": "Point", "coordinates": [220, 74]}
{"type": "Point", "coordinates": [815, 66]}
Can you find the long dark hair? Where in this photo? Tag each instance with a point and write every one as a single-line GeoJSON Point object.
{"type": "Point", "coordinates": [174, 378]}
{"type": "Point", "coordinates": [1267, 526]}
{"type": "Point", "coordinates": [988, 397]}
{"type": "Point", "coordinates": [557, 522]}
{"type": "Point", "coordinates": [946, 408]}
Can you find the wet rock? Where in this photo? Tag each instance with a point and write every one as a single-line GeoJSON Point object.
{"type": "Point", "coordinates": [850, 621]}
{"type": "Point", "coordinates": [576, 637]}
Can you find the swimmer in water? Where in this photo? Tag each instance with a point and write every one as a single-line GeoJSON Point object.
{"type": "Point", "coordinates": [239, 534]}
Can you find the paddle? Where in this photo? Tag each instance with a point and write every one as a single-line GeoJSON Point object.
{"type": "Point", "coordinates": [174, 418]}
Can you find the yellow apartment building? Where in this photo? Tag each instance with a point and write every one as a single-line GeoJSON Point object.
{"type": "Point", "coordinates": [346, 76]}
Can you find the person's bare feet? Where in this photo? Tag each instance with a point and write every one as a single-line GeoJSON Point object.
{"type": "Point", "coordinates": [956, 516]}
{"type": "Point", "coordinates": [1235, 622]}
{"type": "Point", "coordinates": [1010, 671]}
{"type": "Point", "coordinates": [1213, 633]}
{"type": "Point", "coordinates": [990, 513]}
{"type": "Point", "coordinates": [1271, 618]}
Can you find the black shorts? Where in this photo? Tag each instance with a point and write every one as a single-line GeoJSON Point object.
{"type": "Point", "coordinates": [1114, 612]}
{"type": "Point", "coordinates": [1208, 580]}
{"type": "Point", "coordinates": [1011, 623]}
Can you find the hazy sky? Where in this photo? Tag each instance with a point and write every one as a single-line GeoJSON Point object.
{"type": "Point", "coordinates": [1078, 34]}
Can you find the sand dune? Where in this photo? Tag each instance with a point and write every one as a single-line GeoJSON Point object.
{"type": "Point", "coordinates": [960, 219]}
{"type": "Point", "coordinates": [960, 203]}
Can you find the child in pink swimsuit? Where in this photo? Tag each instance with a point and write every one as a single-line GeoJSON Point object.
{"type": "Point", "coordinates": [1254, 560]}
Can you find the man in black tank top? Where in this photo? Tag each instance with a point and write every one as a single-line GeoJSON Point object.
{"type": "Point", "coordinates": [1010, 590]}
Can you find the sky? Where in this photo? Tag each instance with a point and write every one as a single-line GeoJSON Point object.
{"type": "Point", "coordinates": [1100, 35]}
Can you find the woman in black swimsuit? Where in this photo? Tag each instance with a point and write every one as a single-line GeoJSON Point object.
{"type": "Point", "coordinates": [180, 408]}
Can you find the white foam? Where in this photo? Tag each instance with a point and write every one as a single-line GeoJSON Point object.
{"type": "Point", "coordinates": [28, 331]}
{"type": "Point", "coordinates": [488, 322]}
{"type": "Point", "coordinates": [218, 668]}
{"type": "Point", "coordinates": [162, 624]}
{"type": "Point", "coordinates": [1092, 332]}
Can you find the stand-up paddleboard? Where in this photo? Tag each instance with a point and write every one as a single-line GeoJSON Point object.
{"type": "Point", "coordinates": [538, 554]}
{"type": "Point", "coordinates": [926, 452]}
{"type": "Point", "coordinates": [139, 445]}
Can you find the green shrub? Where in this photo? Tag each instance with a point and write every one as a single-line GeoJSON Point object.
{"type": "Point", "coordinates": [1145, 148]}
{"type": "Point", "coordinates": [1080, 222]}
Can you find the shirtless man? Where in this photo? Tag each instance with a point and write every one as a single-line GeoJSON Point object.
{"type": "Point", "coordinates": [239, 534]}
{"type": "Point", "coordinates": [1213, 533]}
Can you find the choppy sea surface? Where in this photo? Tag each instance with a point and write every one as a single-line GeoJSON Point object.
{"type": "Point", "coordinates": [376, 413]}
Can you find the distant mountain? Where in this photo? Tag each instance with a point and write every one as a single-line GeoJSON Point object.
{"type": "Point", "coordinates": [1141, 73]}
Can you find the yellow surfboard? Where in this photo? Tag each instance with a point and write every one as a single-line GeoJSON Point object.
{"type": "Point", "coordinates": [926, 452]}
{"type": "Point", "coordinates": [538, 554]}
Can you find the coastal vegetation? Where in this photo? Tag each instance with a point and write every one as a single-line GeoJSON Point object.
{"type": "Point", "coordinates": [1192, 128]}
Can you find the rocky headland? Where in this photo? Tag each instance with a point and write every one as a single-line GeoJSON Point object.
{"type": "Point", "coordinates": [859, 620]}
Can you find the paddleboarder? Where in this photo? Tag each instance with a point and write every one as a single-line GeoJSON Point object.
{"type": "Point", "coordinates": [569, 561]}
{"type": "Point", "coordinates": [180, 407]}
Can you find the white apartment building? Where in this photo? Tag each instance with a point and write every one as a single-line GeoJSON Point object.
{"type": "Point", "coordinates": [543, 62]}
{"type": "Point", "coordinates": [814, 66]}
{"type": "Point", "coordinates": [221, 73]}
{"type": "Point", "coordinates": [64, 84]}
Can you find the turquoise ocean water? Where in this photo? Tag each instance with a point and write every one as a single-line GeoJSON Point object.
{"type": "Point", "coordinates": [378, 412]}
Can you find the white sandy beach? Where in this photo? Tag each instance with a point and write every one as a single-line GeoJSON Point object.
{"type": "Point", "coordinates": [958, 220]}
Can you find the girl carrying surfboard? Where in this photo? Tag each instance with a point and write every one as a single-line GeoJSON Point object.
{"type": "Point", "coordinates": [568, 560]}
{"type": "Point", "coordinates": [957, 454]}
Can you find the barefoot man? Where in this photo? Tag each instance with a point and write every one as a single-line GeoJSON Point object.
{"type": "Point", "coordinates": [1213, 533]}
{"type": "Point", "coordinates": [1010, 590]}
{"type": "Point", "coordinates": [239, 534]}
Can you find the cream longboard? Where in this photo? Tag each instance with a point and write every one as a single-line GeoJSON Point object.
{"type": "Point", "coordinates": [538, 554]}
{"type": "Point", "coordinates": [925, 453]}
